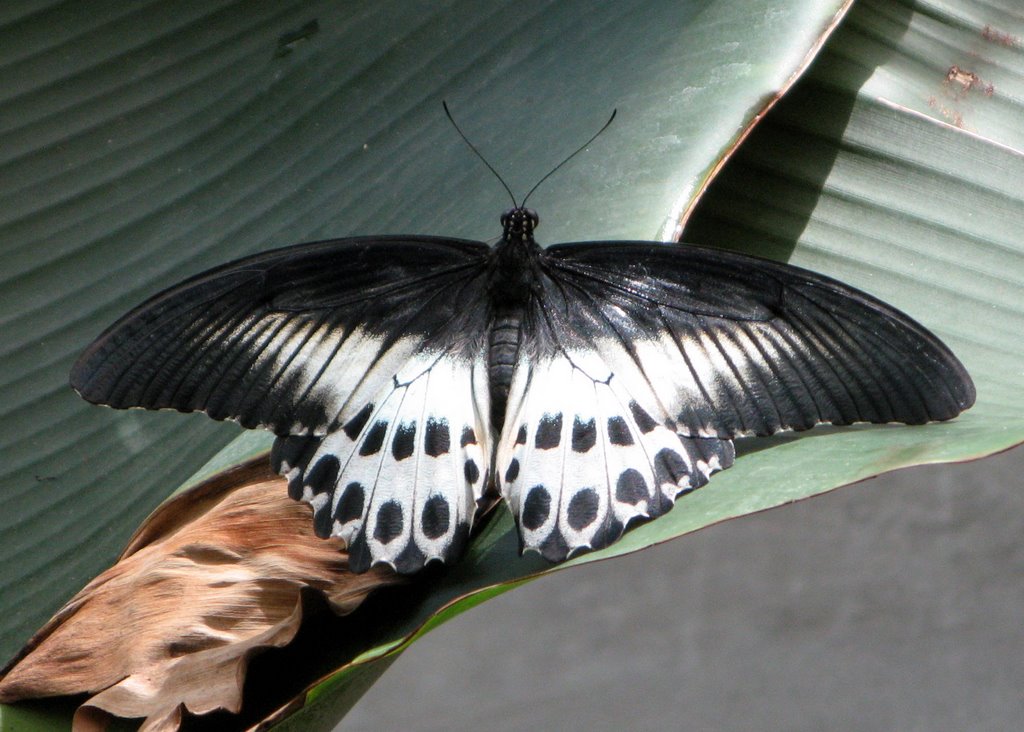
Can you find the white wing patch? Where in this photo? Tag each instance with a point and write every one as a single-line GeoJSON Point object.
{"type": "Point", "coordinates": [310, 359]}
{"type": "Point", "coordinates": [583, 455]}
{"type": "Point", "coordinates": [399, 478]}
{"type": "Point", "coordinates": [706, 367]}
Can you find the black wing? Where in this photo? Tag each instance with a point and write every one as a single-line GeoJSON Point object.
{"type": "Point", "coordinates": [360, 354]}
{"type": "Point", "coordinates": [730, 345]}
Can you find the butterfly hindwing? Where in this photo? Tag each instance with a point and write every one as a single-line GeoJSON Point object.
{"type": "Point", "coordinates": [400, 482]}
{"type": "Point", "coordinates": [581, 460]}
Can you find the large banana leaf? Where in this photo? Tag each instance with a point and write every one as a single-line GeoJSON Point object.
{"type": "Point", "coordinates": [187, 139]}
{"type": "Point", "coordinates": [146, 141]}
{"type": "Point", "coordinates": [887, 179]}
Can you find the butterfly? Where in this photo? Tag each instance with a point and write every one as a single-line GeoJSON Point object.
{"type": "Point", "coordinates": [413, 380]}
{"type": "Point", "coordinates": [410, 379]}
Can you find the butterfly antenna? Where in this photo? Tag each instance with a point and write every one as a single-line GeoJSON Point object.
{"type": "Point", "coordinates": [581, 149]}
{"type": "Point", "coordinates": [478, 154]}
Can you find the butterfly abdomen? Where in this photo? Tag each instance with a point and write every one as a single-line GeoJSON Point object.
{"type": "Point", "coordinates": [502, 351]}
{"type": "Point", "coordinates": [512, 283]}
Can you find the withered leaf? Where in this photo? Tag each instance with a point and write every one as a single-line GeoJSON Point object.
{"type": "Point", "coordinates": [213, 576]}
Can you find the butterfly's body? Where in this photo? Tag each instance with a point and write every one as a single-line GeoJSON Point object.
{"type": "Point", "coordinates": [588, 384]}
{"type": "Point", "coordinates": [502, 353]}
{"type": "Point", "coordinates": [512, 278]}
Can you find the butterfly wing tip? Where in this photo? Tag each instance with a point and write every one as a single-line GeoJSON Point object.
{"type": "Point", "coordinates": [93, 378]}
{"type": "Point", "coordinates": [968, 394]}
{"type": "Point", "coordinates": [84, 387]}
{"type": "Point", "coordinates": [79, 372]}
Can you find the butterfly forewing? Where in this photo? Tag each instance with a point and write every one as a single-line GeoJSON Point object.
{"type": "Point", "coordinates": [399, 483]}
{"type": "Point", "coordinates": [731, 345]}
{"type": "Point", "coordinates": [286, 337]}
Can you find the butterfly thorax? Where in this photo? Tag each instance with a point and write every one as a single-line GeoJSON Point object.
{"type": "Point", "coordinates": [513, 275]}
{"type": "Point", "coordinates": [512, 281]}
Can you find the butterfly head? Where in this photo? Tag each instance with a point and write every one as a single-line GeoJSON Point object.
{"type": "Point", "coordinates": [517, 224]}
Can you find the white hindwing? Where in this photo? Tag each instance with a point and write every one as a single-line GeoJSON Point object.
{"type": "Point", "coordinates": [399, 479]}
{"type": "Point", "coordinates": [580, 457]}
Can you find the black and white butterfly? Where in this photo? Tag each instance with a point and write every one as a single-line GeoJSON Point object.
{"type": "Point", "coordinates": [407, 378]}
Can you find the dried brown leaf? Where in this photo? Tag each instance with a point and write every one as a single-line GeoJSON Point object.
{"type": "Point", "coordinates": [211, 578]}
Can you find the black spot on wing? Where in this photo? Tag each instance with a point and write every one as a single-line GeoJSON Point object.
{"type": "Point", "coordinates": [513, 471]}
{"type": "Point", "coordinates": [536, 508]}
{"type": "Point", "coordinates": [293, 451]}
{"type": "Point", "coordinates": [324, 475]}
{"type": "Point", "coordinates": [583, 507]}
{"type": "Point", "coordinates": [355, 425]}
{"type": "Point", "coordinates": [389, 522]}
{"type": "Point", "coordinates": [549, 432]}
{"type": "Point", "coordinates": [521, 435]}
{"type": "Point", "coordinates": [669, 467]}
{"type": "Point", "coordinates": [436, 438]}
{"type": "Point", "coordinates": [608, 533]}
{"type": "Point", "coordinates": [404, 441]}
{"type": "Point", "coordinates": [374, 439]}
{"type": "Point", "coordinates": [584, 435]}
{"type": "Point", "coordinates": [643, 420]}
{"type": "Point", "coordinates": [359, 554]}
{"type": "Point", "coordinates": [436, 517]}
{"type": "Point", "coordinates": [726, 451]}
{"type": "Point", "coordinates": [554, 548]}
{"type": "Point", "coordinates": [350, 505]}
{"type": "Point", "coordinates": [660, 504]}
{"type": "Point", "coordinates": [322, 521]}
{"type": "Point", "coordinates": [631, 487]}
{"type": "Point", "coordinates": [471, 471]}
{"type": "Point", "coordinates": [295, 487]}
{"type": "Point", "coordinates": [468, 436]}
{"type": "Point", "coordinates": [706, 448]}
{"type": "Point", "coordinates": [618, 432]}
{"type": "Point", "coordinates": [410, 559]}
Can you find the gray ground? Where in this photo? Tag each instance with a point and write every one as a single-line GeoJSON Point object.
{"type": "Point", "coordinates": [895, 604]}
